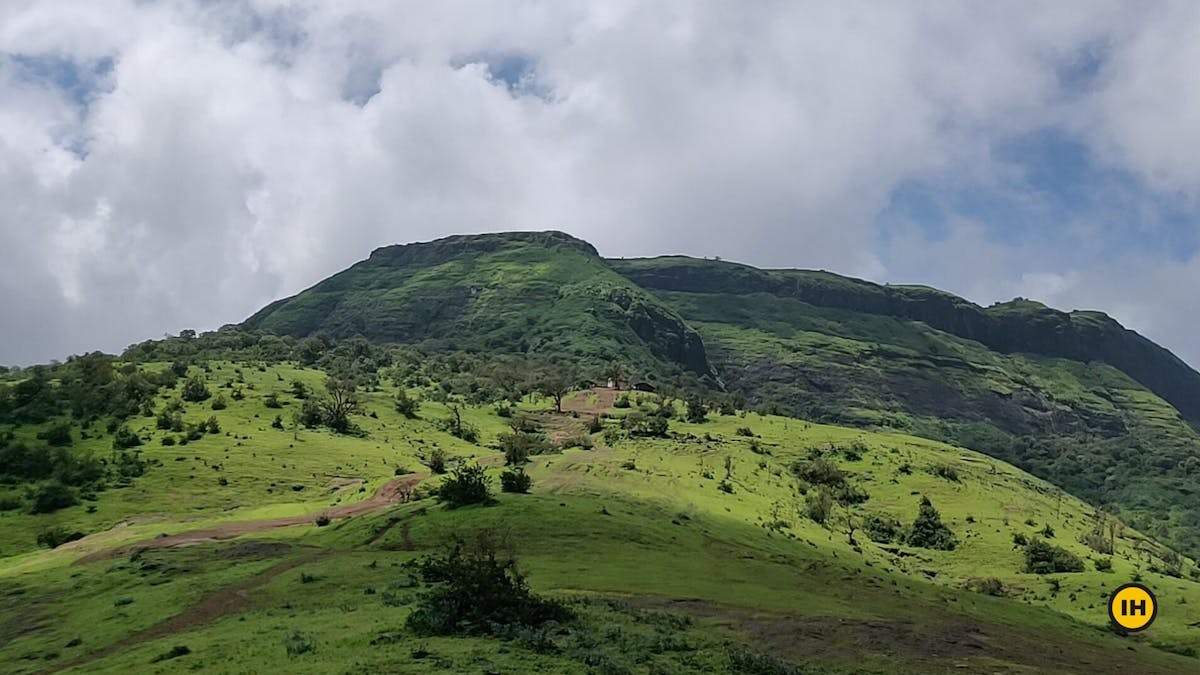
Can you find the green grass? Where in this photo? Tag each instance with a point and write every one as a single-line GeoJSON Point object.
{"type": "Point", "coordinates": [656, 534]}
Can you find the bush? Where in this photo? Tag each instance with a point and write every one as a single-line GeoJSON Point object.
{"type": "Point", "coordinates": [212, 426]}
{"type": "Point", "coordinates": [696, 412]}
{"type": "Point", "coordinates": [515, 481]}
{"type": "Point", "coordinates": [125, 438]}
{"type": "Point", "coordinates": [744, 431]}
{"type": "Point", "coordinates": [405, 404]}
{"type": "Point", "coordinates": [437, 461]}
{"type": "Point", "coordinates": [465, 485]}
{"type": "Point", "coordinates": [219, 403]}
{"type": "Point", "coordinates": [820, 472]}
{"type": "Point", "coordinates": [520, 445]}
{"type": "Point", "coordinates": [168, 440]}
{"type": "Point", "coordinates": [638, 423]}
{"type": "Point", "coordinates": [1103, 564]}
{"type": "Point", "coordinates": [742, 660]}
{"type": "Point", "coordinates": [10, 502]}
{"type": "Point", "coordinates": [818, 506]}
{"type": "Point", "coordinates": [475, 591]}
{"type": "Point", "coordinates": [57, 435]}
{"type": "Point", "coordinates": [927, 530]}
{"type": "Point", "coordinates": [622, 402]}
{"type": "Point", "coordinates": [1044, 558]}
{"type": "Point", "coordinates": [57, 536]}
{"type": "Point", "coordinates": [174, 653]}
{"type": "Point", "coordinates": [455, 426]}
{"type": "Point", "coordinates": [322, 520]}
{"type": "Point", "coordinates": [52, 496]}
{"type": "Point", "coordinates": [1019, 539]}
{"type": "Point", "coordinates": [195, 389]}
{"type": "Point", "coordinates": [946, 471]}
{"type": "Point", "coordinates": [272, 401]}
{"type": "Point", "coordinates": [595, 426]}
{"type": "Point", "coordinates": [1047, 532]}
{"type": "Point", "coordinates": [988, 586]}
{"type": "Point", "coordinates": [277, 423]}
{"type": "Point", "coordinates": [297, 643]}
{"type": "Point", "coordinates": [881, 528]}
{"type": "Point", "coordinates": [578, 441]}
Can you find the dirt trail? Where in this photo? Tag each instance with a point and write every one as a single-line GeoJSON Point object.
{"type": "Point", "coordinates": [228, 600]}
{"type": "Point", "coordinates": [393, 492]}
{"type": "Point", "coordinates": [582, 402]}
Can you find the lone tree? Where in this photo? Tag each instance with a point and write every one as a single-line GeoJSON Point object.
{"type": "Point", "coordinates": [928, 531]}
{"type": "Point", "coordinates": [340, 402]}
{"type": "Point", "coordinates": [556, 381]}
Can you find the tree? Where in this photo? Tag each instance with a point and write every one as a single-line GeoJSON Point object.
{"type": "Point", "coordinates": [465, 485]}
{"type": "Point", "coordinates": [556, 381]}
{"type": "Point", "coordinates": [697, 412]}
{"type": "Point", "coordinates": [1045, 558]}
{"type": "Point", "coordinates": [405, 404]}
{"type": "Point", "coordinates": [927, 530]}
{"type": "Point", "coordinates": [195, 389]}
{"type": "Point", "coordinates": [616, 373]}
{"type": "Point", "coordinates": [340, 402]}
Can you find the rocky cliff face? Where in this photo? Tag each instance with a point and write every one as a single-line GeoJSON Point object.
{"type": "Point", "coordinates": [1019, 326]}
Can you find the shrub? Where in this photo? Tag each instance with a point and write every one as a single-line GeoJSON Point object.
{"type": "Point", "coordinates": [820, 472]}
{"type": "Point", "coordinates": [476, 591]}
{"type": "Point", "coordinates": [277, 423]}
{"type": "Point", "coordinates": [168, 440]}
{"type": "Point", "coordinates": [638, 423]}
{"type": "Point", "coordinates": [405, 404]}
{"type": "Point", "coordinates": [881, 528]}
{"type": "Point", "coordinates": [1044, 558]}
{"type": "Point", "coordinates": [622, 402]}
{"type": "Point", "coordinates": [10, 502]}
{"type": "Point", "coordinates": [1019, 539]}
{"type": "Point", "coordinates": [454, 425]}
{"type": "Point", "coordinates": [1047, 532]}
{"type": "Point", "coordinates": [1103, 564]}
{"type": "Point", "coordinates": [578, 441]}
{"type": "Point", "coordinates": [725, 486]}
{"type": "Point", "coordinates": [927, 530]}
{"type": "Point", "coordinates": [465, 485]}
{"type": "Point", "coordinates": [988, 586]}
{"type": "Point", "coordinates": [946, 471]}
{"type": "Point", "coordinates": [299, 389]}
{"type": "Point", "coordinates": [818, 506]}
{"type": "Point", "coordinates": [52, 496]}
{"type": "Point", "coordinates": [696, 412]}
{"type": "Point", "coordinates": [437, 461]}
{"type": "Point", "coordinates": [174, 653]}
{"type": "Point", "coordinates": [212, 426]}
{"type": "Point", "coordinates": [742, 660]}
{"type": "Point", "coordinates": [744, 431]}
{"type": "Point", "coordinates": [851, 494]}
{"type": "Point", "coordinates": [520, 445]}
{"type": "Point", "coordinates": [219, 403]}
{"type": "Point", "coordinates": [297, 643]}
{"type": "Point", "coordinates": [595, 426]}
{"type": "Point", "coordinates": [125, 438]}
{"type": "Point", "coordinates": [322, 520]}
{"type": "Point", "coordinates": [57, 435]}
{"type": "Point", "coordinates": [195, 389]}
{"type": "Point", "coordinates": [515, 481]}
{"type": "Point", "coordinates": [271, 400]}
{"type": "Point", "coordinates": [57, 536]}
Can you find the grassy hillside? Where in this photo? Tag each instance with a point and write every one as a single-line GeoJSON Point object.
{"type": "Point", "coordinates": [539, 293]}
{"type": "Point", "coordinates": [808, 345]}
{"type": "Point", "coordinates": [693, 552]}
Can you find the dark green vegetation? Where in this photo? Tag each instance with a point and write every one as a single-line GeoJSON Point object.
{"type": "Point", "coordinates": [414, 475]}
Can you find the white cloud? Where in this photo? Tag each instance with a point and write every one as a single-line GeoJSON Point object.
{"type": "Point", "coordinates": [241, 150]}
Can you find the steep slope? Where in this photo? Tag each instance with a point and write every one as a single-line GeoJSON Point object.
{"type": "Point", "coordinates": [539, 293]}
{"type": "Point", "coordinates": [1073, 398]}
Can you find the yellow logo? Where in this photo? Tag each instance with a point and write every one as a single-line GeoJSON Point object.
{"type": "Point", "coordinates": [1133, 607]}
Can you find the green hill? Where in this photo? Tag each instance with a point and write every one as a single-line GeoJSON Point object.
{"type": "Point", "coordinates": [832, 476]}
{"type": "Point", "coordinates": [699, 551]}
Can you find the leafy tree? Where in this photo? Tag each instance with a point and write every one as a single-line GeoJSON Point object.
{"type": "Point", "coordinates": [340, 402]}
{"type": "Point", "coordinates": [195, 389]}
{"type": "Point", "coordinates": [638, 423]}
{"type": "Point", "coordinates": [927, 530]}
{"type": "Point", "coordinates": [125, 438]}
{"type": "Point", "coordinates": [556, 381]}
{"type": "Point", "coordinates": [697, 412]}
{"type": "Point", "coordinates": [299, 389]}
{"type": "Point", "coordinates": [818, 506]}
{"type": "Point", "coordinates": [457, 427]}
{"type": "Point", "coordinates": [219, 402]}
{"type": "Point", "coordinates": [820, 471]}
{"type": "Point", "coordinates": [52, 496]}
{"type": "Point", "coordinates": [881, 529]}
{"type": "Point", "coordinates": [519, 445]}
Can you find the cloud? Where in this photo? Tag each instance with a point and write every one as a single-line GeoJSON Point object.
{"type": "Point", "coordinates": [183, 163]}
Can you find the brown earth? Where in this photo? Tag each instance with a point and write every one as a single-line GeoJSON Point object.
{"type": "Point", "coordinates": [393, 492]}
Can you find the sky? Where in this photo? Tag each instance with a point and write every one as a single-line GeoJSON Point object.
{"type": "Point", "coordinates": [178, 164]}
